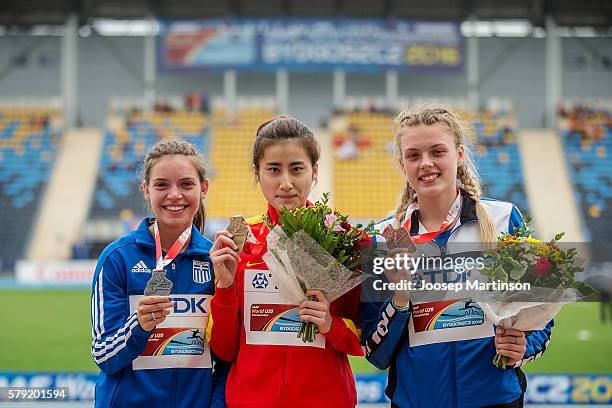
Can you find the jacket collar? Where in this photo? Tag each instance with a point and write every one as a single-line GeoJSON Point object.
{"type": "Point", "coordinates": [468, 210]}
{"type": "Point", "coordinates": [197, 245]}
{"type": "Point", "coordinates": [272, 214]}
{"type": "Point", "coordinates": [468, 213]}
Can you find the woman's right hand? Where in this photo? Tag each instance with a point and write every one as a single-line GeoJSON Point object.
{"type": "Point", "coordinates": [401, 298]}
{"type": "Point", "coordinates": [225, 259]}
{"type": "Point", "coordinates": [152, 310]}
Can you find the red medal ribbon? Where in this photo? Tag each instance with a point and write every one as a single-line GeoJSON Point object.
{"type": "Point", "coordinates": [257, 248]}
{"type": "Point", "coordinates": [451, 217]}
{"type": "Point", "coordinates": [160, 260]}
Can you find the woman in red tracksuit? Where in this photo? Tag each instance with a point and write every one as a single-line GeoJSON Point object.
{"type": "Point", "coordinates": [254, 326]}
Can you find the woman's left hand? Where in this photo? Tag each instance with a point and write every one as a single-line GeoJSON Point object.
{"type": "Point", "coordinates": [317, 311]}
{"type": "Point", "coordinates": [510, 343]}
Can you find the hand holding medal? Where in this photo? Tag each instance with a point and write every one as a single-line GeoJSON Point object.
{"type": "Point", "coordinates": [159, 285]}
{"type": "Point", "coordinates": [152, 310]}
{"type": "Point", "coordinates": [156, 305]}
{"type": "Point", "coordinates": [398, 238]}
{"type": "Point", "coordinates": [225, 253]}
{"type": "Point", "coordinates": [398, 242]}
{"type": "Point", "coordinates": [238, 230]}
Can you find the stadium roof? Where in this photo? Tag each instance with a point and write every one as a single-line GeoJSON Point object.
{"type": "Point", "coordinates": [593, 13]}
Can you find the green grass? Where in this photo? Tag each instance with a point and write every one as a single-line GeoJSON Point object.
{"type": "Point", "coordinates": [566, 352]}
{"type": "Point", "coordinates": [45, 330]}
{"type": "Point", "coordinates": [49, 330]}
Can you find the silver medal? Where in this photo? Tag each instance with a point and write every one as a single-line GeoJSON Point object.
{"type": "Point", "coordinates": [158, 285]}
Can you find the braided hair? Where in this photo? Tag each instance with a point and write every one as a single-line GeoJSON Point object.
{"type": "Point", "coordinates": [467, 175]}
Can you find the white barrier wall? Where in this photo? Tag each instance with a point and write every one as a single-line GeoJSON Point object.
{"type": "Point", "coordinates": [55, 272]}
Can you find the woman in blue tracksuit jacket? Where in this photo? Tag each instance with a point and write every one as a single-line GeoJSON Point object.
{"type": "Point", "coordinates": [152, 350]}
{"type": "Point", "coordinates": [439, 353]}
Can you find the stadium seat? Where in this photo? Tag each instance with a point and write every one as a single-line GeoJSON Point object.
{"type": "Point", "coordinates": [118, 185]}
{"type": "Point", "coordinates": [380, 178]}
{"type": "Point", "coordinates": [587, 137]}
{"type": "Point", "coordinates": [28, 145]}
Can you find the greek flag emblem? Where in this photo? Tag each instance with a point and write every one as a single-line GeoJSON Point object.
{"type": "Point", "coordinates": [201, 271]}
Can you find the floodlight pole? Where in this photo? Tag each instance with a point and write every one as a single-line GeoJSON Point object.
{"type": "Point", "coordinates": [69, 71]}
{"type": "Point", "coordinates": [229, 89]}
{"type": "Point", "coordinates": [282, 91]}
{"type": "Point", "coordinates": [472, 69]}
{"type": "Point", "coordinates": [553, 72]}
{"type": "Point", "coordinates": [391, 85]}
{"type": "Point", "coordinates": [339, 88]}
{"type": "Point", "coordinates": [149, 74]}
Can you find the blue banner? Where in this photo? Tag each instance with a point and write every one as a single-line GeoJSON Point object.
{"type": "Point", "coordinates": [81, 386]}
{"type": "Point", "coordinates": [542, 389]}
{"type": "Point", "coordinates": [311, 44]}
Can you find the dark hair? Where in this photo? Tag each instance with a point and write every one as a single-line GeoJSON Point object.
{"type": "Point", "coordinates": [173, 146]}
{"type": "Point", "coordinates": [283, 128]}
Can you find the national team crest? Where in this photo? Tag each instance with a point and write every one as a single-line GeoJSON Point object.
{"type": "Point", "coordinates": [201, 271]}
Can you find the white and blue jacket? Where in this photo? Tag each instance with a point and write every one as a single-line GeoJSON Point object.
{"type": "Point", "coordinates": [170, 366]}
{"type": "Point", "coordinates": [453, 373]}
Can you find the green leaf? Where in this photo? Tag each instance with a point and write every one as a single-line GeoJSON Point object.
{"type": "Point", "coordinates": [517, 272]}
{"type": "Point", "coordinates": [499, 275]}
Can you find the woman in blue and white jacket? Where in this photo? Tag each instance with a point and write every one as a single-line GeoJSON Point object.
{"type": "Point", "coordinates": [152, 350]}
{"type": "Point", "coordinates": [440, 353]}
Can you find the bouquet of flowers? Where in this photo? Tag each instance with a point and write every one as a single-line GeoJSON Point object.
{"type": "Point", "coordinates": [547, 268]}
{"type": "Point", "coordinates": [315, 247]}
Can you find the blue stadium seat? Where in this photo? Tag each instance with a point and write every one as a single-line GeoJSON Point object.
{"type": "Point", "coordinates": [27, 153]}
{"type": "Point", "coordinates": [590, 168]}
{"type": "Point", "coordinates": [118, 186]}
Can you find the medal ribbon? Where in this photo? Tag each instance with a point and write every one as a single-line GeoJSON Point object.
{"type": "Point", "coordinates": [450, 218]}
{"type": "Point", "coordinates": [160, 260]}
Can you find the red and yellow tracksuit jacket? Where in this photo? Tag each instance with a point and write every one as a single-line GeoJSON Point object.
{"type": "Point", "coordinates": [253, 326]}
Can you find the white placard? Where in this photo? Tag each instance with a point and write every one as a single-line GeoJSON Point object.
{"type": "Point", "coordinates": [269, 317]}
{"type": "Point", "coordinates": [180, 340]}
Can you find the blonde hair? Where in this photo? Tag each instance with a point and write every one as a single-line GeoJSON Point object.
{"type": "Point", "coordinates": [463, 134]}
{"type": "Point", "coordinates": [170, 147]}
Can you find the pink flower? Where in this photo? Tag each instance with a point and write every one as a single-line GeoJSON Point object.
{"type": "Point", "coordinates": [542, 266]}
{"type": "Point", "coordinates": [330, 220]}
{"type": "Point", "coordinates": [338, 228]}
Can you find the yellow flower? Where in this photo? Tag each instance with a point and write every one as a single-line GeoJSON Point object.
{"type": "Point", "coordinates": [555, 256]}
{"type": "Point", "coordinates": [532, 240]}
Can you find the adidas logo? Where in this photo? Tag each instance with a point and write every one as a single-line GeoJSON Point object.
{"type": "Point", "coordinates": [140, 267]}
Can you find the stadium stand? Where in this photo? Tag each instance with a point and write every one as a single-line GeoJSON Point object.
{"type": "Point", "coordinates": [364, 146]}
{"type": "Point", "coordinates": [499, 160]}
{"type": "Point", "coordinates": [118, 195]}
{"type": "Point", "coordinates": [379, 178]}
{"type": "Point", "coordinates": [587, 136]}
{"type": "Point", "coordinates": [233, 189]}
{"type": "Point", "coordinates": [118, 187]}
{"type": "Point", "coordinates": [29, 138]}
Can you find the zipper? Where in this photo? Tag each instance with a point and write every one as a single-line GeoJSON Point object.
{"type": "Point", "coordinates": [443, 248]}
{"type": "Point", "coordinates": [283, 379]}
{"type": "Point", "coordinates": [460, 225]}
{"type": "Point", "coordinates": [454, 361]}
{"type": "Point", "coordinates": [174, 382]}
{"type": "Point", "coordinates": [173, 266]}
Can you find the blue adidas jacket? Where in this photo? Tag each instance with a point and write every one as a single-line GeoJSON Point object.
{"type": "Point", "coordinates": [170, 366]}
{"type": "Point", "coordinates": [448, 374]}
